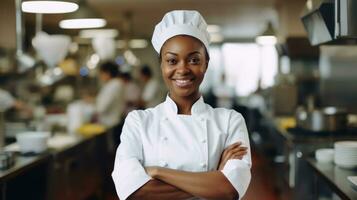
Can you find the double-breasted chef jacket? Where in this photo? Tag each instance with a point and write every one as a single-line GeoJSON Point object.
{"type": "Point", "coordinates": [161, 137]}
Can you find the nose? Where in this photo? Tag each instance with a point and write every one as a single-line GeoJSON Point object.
{"type": "Point", "coordinates": [183, 68]}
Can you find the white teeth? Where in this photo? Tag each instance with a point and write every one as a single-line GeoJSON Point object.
{"type": "Point", "coordinates": [183, 83]}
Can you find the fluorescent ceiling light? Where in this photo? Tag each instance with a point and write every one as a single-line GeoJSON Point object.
{"type": "Point", "coordinates": [92, 33]}
{"type": "Point", "coordinates": [82, 23]}
{"type": "Point", "coordinates": [216, 38]}
{"type": "Point", "coordinates": [138, 43]}
{"type": "Point", "coordinates": [48, 7]}
{"type": "Point", "coordinates": [266, 40]}
{"type": "Point", "coordinates": [213, 28]}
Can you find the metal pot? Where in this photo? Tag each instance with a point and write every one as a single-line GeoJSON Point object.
{"type": "Point", "coordinates": [335, 118]}
{"type": "Point", "coordinates": [324, 119]}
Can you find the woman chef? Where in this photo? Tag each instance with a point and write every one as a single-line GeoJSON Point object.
{"type": "Point", "coordinates": [183, 148]}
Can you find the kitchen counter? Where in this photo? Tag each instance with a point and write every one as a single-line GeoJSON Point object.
{"type": "Point", "coordinates": [284, 126]}
{"type": "Point", "coordinates": [61, 172]}
{"type": "Point", "coordinates": [286, 147]}
{"type": "Point", "coordinates": [335, 177]}
{"type": "Point", "coordinates": [23, 164]}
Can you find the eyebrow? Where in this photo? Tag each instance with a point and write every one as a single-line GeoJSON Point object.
{"type": "Point", "coordinates": [190, 54]}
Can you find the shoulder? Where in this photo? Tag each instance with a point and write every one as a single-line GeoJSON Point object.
{"type": "Point", "coordinates": [146, 114]}
{"type": "Point", "coordinates": [226, 114]}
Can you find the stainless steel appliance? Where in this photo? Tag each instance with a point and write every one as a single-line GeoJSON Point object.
{"type": "Point", "coordinates": [331, 21]}
{"type": "Point", "coordinates": [324, 119]}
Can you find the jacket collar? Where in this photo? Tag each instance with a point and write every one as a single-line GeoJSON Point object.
{"type": "Point", "coordinates": [198, 108]}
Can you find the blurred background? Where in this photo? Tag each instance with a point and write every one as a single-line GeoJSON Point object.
{"type": "Point", "coordinates": [70, 73]}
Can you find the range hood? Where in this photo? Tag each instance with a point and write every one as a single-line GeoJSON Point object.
{"type": "Point", "coordinates": [331, 21]}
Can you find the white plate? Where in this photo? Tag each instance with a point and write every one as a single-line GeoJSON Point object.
{"type": "Point", "coordinates": [353, 180]}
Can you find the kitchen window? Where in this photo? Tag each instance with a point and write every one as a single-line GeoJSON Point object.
{"type": "Point", "coordinates": [243, 64]}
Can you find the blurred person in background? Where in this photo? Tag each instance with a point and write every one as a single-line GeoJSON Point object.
{"type": "Point", "coordinates": [151, 94]}
{"type": "Point", "coordinates": [110, 101]}
{"type": "Point", "coordinates": [132, 93]}
{"type": "Point", "coordinates": [7, 102]}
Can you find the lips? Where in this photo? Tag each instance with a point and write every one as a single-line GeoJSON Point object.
{"type": "Point", "coordinates": [183, 82]}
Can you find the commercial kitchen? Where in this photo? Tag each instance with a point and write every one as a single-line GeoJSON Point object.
{"type": "Point", "coordinates": [288, 66]}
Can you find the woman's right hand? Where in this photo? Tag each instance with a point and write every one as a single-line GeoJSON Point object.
{"type": "Point", "coordinates": [234, 151]}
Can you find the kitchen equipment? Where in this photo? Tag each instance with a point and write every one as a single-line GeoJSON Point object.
{"type": "Point", "coordinates": [51, 48]}
{"type": "Point", "coordinates": [6, 160]}
{"type": "Point", "coordinates": [346, 154]}
{"type": "Point", "coordinates": [324, 155]}
{"type": "Point", "coordinates": [324, 119]}
{"type": "Point", "coordinates": [32, 142]}
{"type": "Point", "coordinates": [330, 21]}
{"type": "Point", "coordinates": [353, 180]}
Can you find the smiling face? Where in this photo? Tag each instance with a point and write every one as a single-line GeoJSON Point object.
{"type": "Point", "coordinates": [183, 66]}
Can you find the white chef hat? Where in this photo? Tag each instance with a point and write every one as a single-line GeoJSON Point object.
{"type": "Point", "coordinates": [180, 22]}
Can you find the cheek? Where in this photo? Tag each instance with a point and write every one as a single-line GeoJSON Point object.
{"type": "Point", "coordinates": [166, 73]}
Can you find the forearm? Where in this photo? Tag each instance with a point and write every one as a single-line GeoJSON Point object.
{"type": "Point", "coordinates": [207, 185]}
{"type": "Point", "coordinates": [158, 190]}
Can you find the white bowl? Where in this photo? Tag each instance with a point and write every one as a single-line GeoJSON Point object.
{"type": "Point", "coordinates": [324, 155]}
{"type": "Point", "coordinates": [32, 142]}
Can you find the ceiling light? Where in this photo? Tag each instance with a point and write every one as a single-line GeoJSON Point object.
{"type": "Point", "coordinates": [213, 28]}
{"type": "Point", "coordinates": [216, 38]}
{"type": "Point", "coordinates": [138, 43]}
{"type": "Point", "coordinates": [266, 40]}
{"type": "Point", "coordinates": [268, 37]}
{"type": "Point", "coordinates": [48, 7]}
{"type": "Point", "coordinates": [92, 33]}
{"type": "Point", "coordinates": [83, 18]}
{"type": "Point", "coordinates": [82, 23]}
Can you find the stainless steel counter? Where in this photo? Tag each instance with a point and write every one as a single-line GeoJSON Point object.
{"type": "Point", "coordinates": [335, 177]}
{"type": "Point", "coordinates": [63, 169]}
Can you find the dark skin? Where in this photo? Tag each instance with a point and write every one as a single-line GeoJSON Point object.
{"type": "Point", "coordinates": [183, 66]}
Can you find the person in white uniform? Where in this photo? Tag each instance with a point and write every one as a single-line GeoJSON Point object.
{"type": "Point", "coordinates": [183, 148]}
{"type": "Point", "coordinates": [110, 100]}
{"type": "Point", "coordinates": [151, 94]}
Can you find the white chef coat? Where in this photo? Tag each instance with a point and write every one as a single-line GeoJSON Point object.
{"type": "Point", "coordinates": [110, 103]}
{"type": "Point", "coordinates": [160, 137]}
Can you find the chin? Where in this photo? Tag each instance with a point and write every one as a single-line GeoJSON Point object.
{"type": "Point", "coordinates": [183, 93]}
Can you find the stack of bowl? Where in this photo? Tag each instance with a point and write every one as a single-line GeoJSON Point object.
{"type": "Point", "coordinates": [346, 154]}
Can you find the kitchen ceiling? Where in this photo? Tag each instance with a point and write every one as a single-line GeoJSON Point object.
{"type": "Point", "coordinates": [239, 19]}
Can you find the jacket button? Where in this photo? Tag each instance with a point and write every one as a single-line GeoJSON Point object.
{"type": "Point", "coordinates": [204, 141]}
{"type": "Point", "coordinates": [203, 165]}
{"type": "Point", "coordinates": [164, 138]}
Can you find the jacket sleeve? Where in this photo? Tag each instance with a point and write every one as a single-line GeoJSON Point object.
{"type": "Point", "coordinates": [129, 174]}
{"type": "Point", "coordinates": [238, 171]}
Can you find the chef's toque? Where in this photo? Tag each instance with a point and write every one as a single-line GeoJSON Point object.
{"type": "Point", "coordinates": [180, 22]}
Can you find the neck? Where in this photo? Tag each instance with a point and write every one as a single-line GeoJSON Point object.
{"type": "Point", "coordinates": [184, 104]}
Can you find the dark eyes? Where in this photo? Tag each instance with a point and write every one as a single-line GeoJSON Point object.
{"type": "Point", "coordinates": [171, 61]}
{"type": "Point", "coordinates": [192, 61]}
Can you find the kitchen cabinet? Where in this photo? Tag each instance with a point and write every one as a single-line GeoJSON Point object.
{"type": "Point", "coordinates": [77, 172]}
{"type": "Point", "coordinates": [27, 179]}
{"type": "Point", "coordinates": [74, 172]}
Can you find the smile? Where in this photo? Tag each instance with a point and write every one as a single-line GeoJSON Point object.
{"type": "Point", "coordinates": [183, 82]}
